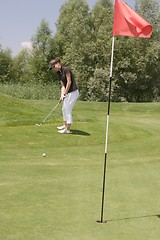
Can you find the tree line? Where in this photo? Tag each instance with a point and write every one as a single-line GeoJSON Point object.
{"type": "Point", "coordinates": [83, 41]}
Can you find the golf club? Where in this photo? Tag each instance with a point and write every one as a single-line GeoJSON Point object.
{"type": "Point", "coordinates": [38, 125]}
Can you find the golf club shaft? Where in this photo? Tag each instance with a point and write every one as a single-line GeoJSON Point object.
{"type": "Point", "coordinates": [50, 112]}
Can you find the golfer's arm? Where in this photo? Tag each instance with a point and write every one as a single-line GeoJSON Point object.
{"type": "Point", "coordinates": [68, 76]}
{"type": "Point", "coordinates": [62, 90]}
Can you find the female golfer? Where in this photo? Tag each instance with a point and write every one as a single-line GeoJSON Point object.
{"type": "Point", "coordinates": [69, 93]}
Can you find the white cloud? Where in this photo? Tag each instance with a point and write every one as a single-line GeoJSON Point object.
{"type": "Point", "coordinates": [26, 45]}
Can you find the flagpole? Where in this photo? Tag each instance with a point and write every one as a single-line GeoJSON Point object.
{"type": "Point", "coordinates": [106, 142]}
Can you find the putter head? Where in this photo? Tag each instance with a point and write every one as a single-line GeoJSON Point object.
{"type": "Point", "coordinates": [38, 125]}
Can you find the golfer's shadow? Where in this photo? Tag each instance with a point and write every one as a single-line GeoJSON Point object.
{"type": "Point", "coordinates": [79, 132]}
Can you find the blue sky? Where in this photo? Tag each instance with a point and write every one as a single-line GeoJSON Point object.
{"type": "Point", "coordinates": [19, 19]}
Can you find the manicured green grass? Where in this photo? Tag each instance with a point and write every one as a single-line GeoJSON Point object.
{"type": "Point", "coordinates": [58, 197]}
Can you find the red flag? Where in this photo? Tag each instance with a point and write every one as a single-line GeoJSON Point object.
{"type": "Point", "coordinates": [129, 23]}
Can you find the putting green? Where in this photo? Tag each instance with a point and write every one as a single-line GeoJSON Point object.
{"type": "Point", "coordinates": [59, 196]}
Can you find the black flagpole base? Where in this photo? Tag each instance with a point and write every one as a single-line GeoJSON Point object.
{"type": "Point", "coordinates": [101, 221]}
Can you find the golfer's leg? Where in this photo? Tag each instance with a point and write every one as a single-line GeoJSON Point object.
{"type": "Point", "coordinates": [64, 113]}
{"type": "Point", "coordinates": [72, 97]}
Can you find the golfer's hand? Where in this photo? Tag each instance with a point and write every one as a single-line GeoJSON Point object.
{"type": "Point", "coordinates": [63, 97]}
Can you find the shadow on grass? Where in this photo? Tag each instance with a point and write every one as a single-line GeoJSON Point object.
{"type": "Point", "coordinates": [130, 218]}
{"type": "Point", "coordinates": [79, 132]}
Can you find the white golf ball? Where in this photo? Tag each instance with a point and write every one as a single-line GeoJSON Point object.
{"type": "Point", "coordinates": [44, 154]}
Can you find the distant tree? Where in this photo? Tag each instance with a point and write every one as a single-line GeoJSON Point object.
{"type": "Point", "coordinates": [153, 70]}
{"type": "Point", "coordinates": [98, 85]}
{"type": "Point", "coordinates": [100, 45]}
{"type": "Point", "coordinates": [41, 43]}
{"type": "Point", "coordinates": [130, 69]}
{"type": "Point", "coordinates": [101, 28]}
{"type": "Point", "coordinates": [22, 67]}
{"type": "Point", "coordinates": [5, 65]}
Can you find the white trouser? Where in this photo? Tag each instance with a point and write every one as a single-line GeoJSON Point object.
{"type": "Point", "coordinates": [68, 105]}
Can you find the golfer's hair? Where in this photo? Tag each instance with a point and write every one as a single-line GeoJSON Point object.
{"type": "Point", "coordinates": [55, 60]}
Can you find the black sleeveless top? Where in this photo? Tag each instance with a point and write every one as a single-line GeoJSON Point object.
{"type": "Point", "coordinates": [62, 77]}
